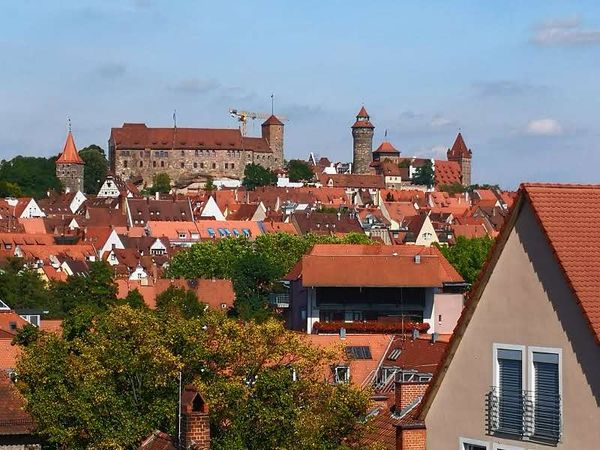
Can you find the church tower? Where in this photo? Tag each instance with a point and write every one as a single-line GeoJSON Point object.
{"type": "Point", "coordinates": [70, 166]}
{"type": "Point", "coordinates": [462, 155]}
{"type": "Point", "coordinates": [272, 131]}
{"type": "Point", "coordinates": [362, 135]}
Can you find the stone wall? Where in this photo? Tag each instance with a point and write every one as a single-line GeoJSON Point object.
{"type": "Point", "coordinates": [71, 176]}
{"type": "Point", "coordinates": [362, 151]}
{"type": "Point", "coordinates": [186, 165]}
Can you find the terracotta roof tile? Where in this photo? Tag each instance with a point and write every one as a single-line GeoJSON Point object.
{"type": "Point", "coordinates": [386, 147]}
{"type": "Point", "coordinates": [572, 231]}
{"type": "Point", "coordinates": [272, 120]}
{"type": "Point", "coordinates": [13, 417]}
{"type": "Point", "coordinates": [8, 355]}
{"type": "Point", "coordinates": [362, 266]}
{"type": "Point", "coordinates": [447, 172]}
{"type": "Point", "coordinates": [69, 154]}
{"type": "Point", "coordinates": [459, 149]}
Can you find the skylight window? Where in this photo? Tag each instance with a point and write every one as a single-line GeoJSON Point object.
{"type": "Point", "coordinates": [211, 232]}
{"type": "Point", "coordinates": [246, 232]}
{"type": "Point", "coordinates": [359, 352]}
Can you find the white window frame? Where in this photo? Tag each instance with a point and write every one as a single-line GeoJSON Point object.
{"type": "Point", "coordinates": [464, 441]}
{"type": "Point", "coordinates": [505, 447]}
{"type": "Point", "coordinates": [531, 374]}
{"type": "Point", "coordinates": [496, 372]}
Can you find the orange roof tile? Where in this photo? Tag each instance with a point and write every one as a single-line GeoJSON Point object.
{"type": "Point", "coordinates": [8, 355]}
{"type": "Point", "coordinates": [447, 172]}
{"type": "Point", "coordinates": [459, 149]}
{"type": "Point", "coordinates": [469, 230]}
{"type": "Point", "coordinates": [69, 154]}
{"type": "Point", "coordinates": [272, 120]}
{"type": "Point", "coordinates": [362, 266]}
{"type": "Point", "coordinates": [14, 420]}
{"type": "Point", "coordinates": [572, 233]}
{"type": "Point", "coordinates": [386, 147]}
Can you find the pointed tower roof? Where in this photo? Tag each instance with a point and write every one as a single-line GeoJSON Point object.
{"type": "Point", "coordinates": [272, 121]}
{"type": "Point", "coordinates": [363, 119]}
{"type": "Point", "coordinates": [459, 148]}
{"type": "Point", "coordinates": [386, 147]}
{"type": "Point", "coordinates": [69, 154]}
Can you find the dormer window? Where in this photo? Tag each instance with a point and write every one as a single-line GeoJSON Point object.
{"type": "Point", "coordinates": [341, 374]}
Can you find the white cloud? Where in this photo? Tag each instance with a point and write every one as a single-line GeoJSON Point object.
{"type": "Point", "coordinates": [565, 31]}
{"type": "Point", "coordinates": [440, 121]}
{"type": "Point", "coordinates": [435, 152]}
{"type": "Point", "coordinates": [544, 127]}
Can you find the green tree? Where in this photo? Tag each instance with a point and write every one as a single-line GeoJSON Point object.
{"type": "Point", "coordinates": [253, 277]}
{"type": "Point", "coordinates": [8, 189]}
{"type": "Point", "coordinates": [117, 382]}
{"type": "Point", "coordinates": [454, 188]}
{"type": "Point", "coordinates": [299, 170]}
{"type": "Point", "coordinates": [179, 301]}
{"type": "Point", "coordinates": [109, 388]}
{"type": "Point", "coordinates": [96, 168]}
{"type": "Point", "coordinates": [424, 175]}
{"type": "Point", "coordinates": [135, 299]}
{"type": "Point", "coordinates": [34, 176]}
{"type": "Point", "coordinates": [161, 182]}
{"type": "Point", "coordinates": [256, 176]}
{"type": "Point", "coordinates": [22, 288]}
{"type": "Point", "coordinates": [468, 255]}
{"type": "Point", "coordinates": [209, 186]}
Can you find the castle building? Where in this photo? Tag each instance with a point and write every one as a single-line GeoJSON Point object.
{"type": "Point", "coordinates": [362, 135]}
{"type": "Point", "coordinates": [460, 154]}
{"type": "Point", "coordinates": [386, 151]}
{"type": "Point", "coordinates": [137, 151]}
{"type": "Point", "coordinates": [70, 166]}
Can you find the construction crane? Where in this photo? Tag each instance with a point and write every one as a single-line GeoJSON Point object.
{"type": "Point", "coordinates": [243, 116]}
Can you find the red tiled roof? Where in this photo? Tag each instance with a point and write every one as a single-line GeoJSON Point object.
{"type": "Point", "coordinates": [69, 154]}
{"type": "Point", "coordinates": [469, 230]}
{"type": "Point", "coordinates": [272, 120]}
{"type": "Point", "coordinates": [6, 317]}
{"type": "Point", "coordinates": [447, 172]}
{"type": "Point", "coordinates": [134, 136]}
{"type": "Point", "coordinates": [572, 233]}
{"type": "Point", "coordinates": [353, 180]}
{"type": "Point", "coordinates": [363, 112]}
{"type": "Point", "coordinates": [362, 266]}
{"type": "Point", "coordinates": [8, 354]}
{"type": "Point", "coordinates": [386, 147]}
{"type": "Point", "coordinates": [459, 149]}
{"type": "Point", "coordinates": [157, 441]}
{"type": "Point", "coordinates": [13, 417]}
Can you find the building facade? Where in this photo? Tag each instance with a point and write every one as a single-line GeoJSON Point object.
{"type": "Point", "coordinates": [70, 167]}
{"type": "Point", "coordinates": [462, 155]}
{"type": "Point", "coordinates": [138, 152]}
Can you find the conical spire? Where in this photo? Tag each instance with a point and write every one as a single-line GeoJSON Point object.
{"type": "Point", "coordinates": [459, 148]}
{"type": "Point", "coordinates": [69, 154]}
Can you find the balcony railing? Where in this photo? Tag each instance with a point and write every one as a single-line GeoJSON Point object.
{"type": "Point", "coordinates": [523, 416]}
{"type": "Point", "coordinates": [280, 300]}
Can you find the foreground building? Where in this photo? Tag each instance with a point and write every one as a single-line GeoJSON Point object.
{"type": "Point", "coordinates": [522, 370]}
{"type": "Point", "coordinates": [356, 285]}
{"type": "Point", "coordinates": [137, 151]}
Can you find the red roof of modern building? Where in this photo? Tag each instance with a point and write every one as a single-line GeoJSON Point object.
{"type": "Point", "coordinates": [375, 266]}
{"type": "Point", "coordinates": [138, 136]}
{"type": "Point", "coordinates": [459, 148]}
{"type": "Point", "coordinates": [272, 120]}
{"type": "Point", "coordinates": [386, 147]}
{"type": "Point", "coordinates": [69, 154]}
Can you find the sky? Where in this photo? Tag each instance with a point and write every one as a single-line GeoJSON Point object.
{"type": "Point", "coordinates": [519, 79]}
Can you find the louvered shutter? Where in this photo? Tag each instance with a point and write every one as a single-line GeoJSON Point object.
{"type": "Point", "coordinates": [510, 386]}
{"type": "Point", "coordinates": [547, 396]}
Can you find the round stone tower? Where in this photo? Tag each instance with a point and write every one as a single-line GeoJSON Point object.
{"type": "Point", "coordinates": [362, 135]}
{"type": "Point", "coordinates": [70, 166]}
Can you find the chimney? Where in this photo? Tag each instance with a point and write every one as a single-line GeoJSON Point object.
{"type": "Point", "coordinates": [434, 338]}
{"type": "Point", "coordinates": [157, 195]}
{"type": "Point", "coordinates": [342, 333]}
{"type": "Point", "coordinates": [407, 393]}
{"type": "Point", "coordinates": [417, 259]}
{"type": "Point", "coordinates": [195, 426]}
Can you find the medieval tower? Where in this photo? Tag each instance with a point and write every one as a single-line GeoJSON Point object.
{"type": "Point", "coordinates": [272, 131]}
{"type": "Point", "coordinates": [462, 155]}
{"type": "Point", "coordinates": [362, 135]}
{"type": "Point", "coordinates": [70, 166]}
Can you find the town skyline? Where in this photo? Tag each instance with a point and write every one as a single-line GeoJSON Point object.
{"type": "Point", "coordinates": [520, 89]}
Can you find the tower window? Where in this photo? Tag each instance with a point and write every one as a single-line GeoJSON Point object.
{"type": "Point", "coordinates": [162, 164]}
{"type": "Point", "coordinates": [125, 164]}
{"type": "Point", "coordinates": [141, 163]}
{"type": "Point", "coordinates": [182, 165]}
{"type": "Point", "coordinates": [195, 165]}
{"type": "Point", "coordinates": [153, 163]}
{"type": "Point", "coordinates": [214, 165]}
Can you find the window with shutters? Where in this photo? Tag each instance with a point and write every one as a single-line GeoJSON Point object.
{"type": "Point", "coordinates": [545, 392]}
{"type": "Point", "coordinates": [506, 399]}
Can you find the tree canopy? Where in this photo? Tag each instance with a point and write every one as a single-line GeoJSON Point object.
{"type": "Point", "coordinates": [468, 255]}
{"type": "Point", "coordinates": [161, 182]}
{"type": "Point", "coordinates": [256, 176]}
{"type": "Point", "coordinates": [424, 175]}
{"type": "Point", "coordinates": [453, 188]}
{"type": "Point", "coordinates": [114, 384]}
{"type": "Point", "coordinates": [33, 176]}
{"type": "Point", "coordinates": [299, 170]}
{"type": "Point", "coordinates": [253, 265]}
{"type": "Point", "coordinates": [96, 168]}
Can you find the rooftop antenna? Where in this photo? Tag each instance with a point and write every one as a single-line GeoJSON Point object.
{"type": "Point", "coordinates": [272, 104]}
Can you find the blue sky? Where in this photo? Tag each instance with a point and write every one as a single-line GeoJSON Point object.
{"type": "Point", "coordinates": [520, 79]}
